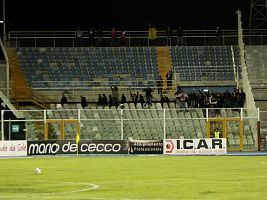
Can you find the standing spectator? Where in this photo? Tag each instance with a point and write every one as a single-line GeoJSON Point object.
{"type": "Point", "coordinates": [122, 38]}
{"type": "Point", "coordinates": [169, 36]}
{"type": "Point", "coordinates": [115, 91]}
{"type": "Point", "coordinates": [91, 37]}
{"type": "Point", "coordinates": [115, 102]}
{"type": "Point", "coordinates": [104, 101]}
{"type": "Point", "coordinates": [220, 103]}
{"type": "Point", "coordinates": [217, 133]}
{"type": "Point", "coordinates": [63, 100]}
{"type": "Point", "coordinates": [237, 98]}
{"type": "Point", "coordinates": [169, 77]}
{"type": "Point", "coordinates": [213, 100]}
{"type": "Point", "coordinates": [79, 37]}
{"type": "Point", "coordinates": [152, 35]}
{"type": "Point", "coordinates": [180, 36]}
{"type": "Point", "coordinates": [206, 101]}
{"type": "Point", "coordinates": [83, 102]}
{"type": "Point", "coordinates": [141, 100]}
{"type": "Point", "coordinates": [167, 100]}
{"type": "Point", "coordinates": [178, 89]}
{"type": "Point", "coordinates": [134, 98]}
{"type": "Point", "coordinates": [227, 99]}
{"type": "Point", "coordinates": [115, 95]}
{"type": "Point", "coordinates": [99, 37]}
{"type": "Point", "coordinates": [123, 99]}
{"type": "Point", "coordinates": [212, 104]}
{"type": "Point", "coordinates": [217, 35]}
{"type": "Point", "coordinates": [194, 100]}
{"type": "Point", "coordinates": [99, 101]}
{"type": "Point", "coordinates": [242, 98]}
{"type": "Point", "coordinates": [113, 37]}
{"type": "Point", "coordinates": [110, 101]}
{"type": "Point", "coordinates": [160, 84]}
{"type": "Point", "coordinates": [181, 100]}
{"type": "Point", "coordinates": [164, 99]}
{"type": "Point", "coordinates": [148, 91]}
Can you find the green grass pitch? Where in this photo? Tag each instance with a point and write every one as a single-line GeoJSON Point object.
{"type": "Point", "coordinates": [135, 177]}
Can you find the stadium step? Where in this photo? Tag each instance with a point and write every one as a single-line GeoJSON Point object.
{"type": "Point", "coordinates": [164, 64]}
{"type": "Point", "coordinates": [19, 87]}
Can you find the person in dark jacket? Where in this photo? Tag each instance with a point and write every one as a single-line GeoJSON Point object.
{"type": "Point", "coordinates": [83, 102]}
{"type": "Point", "coordinates": [63, 100]}
{"type": "Point", "coordinates": [148, 92]}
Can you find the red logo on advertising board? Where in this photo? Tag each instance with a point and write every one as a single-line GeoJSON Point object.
{"type": "Point", "coordinates": [169, 146]}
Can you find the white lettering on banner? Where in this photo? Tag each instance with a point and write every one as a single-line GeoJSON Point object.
{"type": "Point", "coordinates": [50, 148]}
{"type": "Point", "coordinates": [13, 148]}
{"type": "Point", "coordinates": [100, 147]}
{"type": "Point", "coordinates": [68, 147]}
{"type": "Point", "coordinates": [208, 146]}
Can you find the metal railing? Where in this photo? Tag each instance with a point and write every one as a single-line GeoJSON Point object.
{"type": "Point", "coordinates": [121, 123]}
{"type": "Point", "coordinates": [133, 38]}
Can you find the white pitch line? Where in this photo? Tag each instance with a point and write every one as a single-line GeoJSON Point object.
{"type": "Point", "coordinates": [92, 187]}
{"type": "Point", "coordinates": [69, 197]}
{"type": "Point", "coordinates": [47, 195]}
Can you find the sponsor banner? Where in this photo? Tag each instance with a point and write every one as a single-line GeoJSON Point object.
{"type": "Point", "coordinates": [47, 147]}
{"type": "Point", "coordinates": [103, 147]}
{"type": "Point", "coordinates": [146, 147]}
{"type": "Point", "coordinates": [52, 147]}
{"type": "Point", "coordinates": [209, 146]}
{"type": "Point", "coordinates": [13, 148]}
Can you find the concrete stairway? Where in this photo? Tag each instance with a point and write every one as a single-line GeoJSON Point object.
{"type": "Point", "coordinates": [20, 90]}
{"type": "Point", "coordinates": [165, 64]}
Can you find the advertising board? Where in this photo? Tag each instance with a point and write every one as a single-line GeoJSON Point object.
{"type": "Point", "coordinates": [53, 147]}
{"type": "Point", "coordinates": [205, 146]}
{"type": "Point", "coordinates": [13, 148]}
{"type": "Point", "coordinates": [145, 147]}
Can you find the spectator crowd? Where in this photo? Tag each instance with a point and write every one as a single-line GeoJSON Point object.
{"type": "Point", "coordinates": [181, 99]}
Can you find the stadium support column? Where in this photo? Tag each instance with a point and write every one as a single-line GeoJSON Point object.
{"type": "Point", "coordinates": [164, 124]}
{"type": "Point", "coordinates": [2, 124]}
{"type": "Point", "coordinates": [258, 16]}
{"type": "Point", "coordinates": [121, 124]}
{"type": "Point", "coordinates": [259, 130]}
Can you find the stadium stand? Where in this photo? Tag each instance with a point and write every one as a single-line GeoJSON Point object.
{"type": "Point", "coordinates": [256, 62]}
{"type": "Point", "coordinates": [205, 63]}
{"type": "Point", "coordinates": [45, 66]}
{"type": "Point", "coordinates": [42, 65]}
{"type": "Point", "coordinates": [86, 69]}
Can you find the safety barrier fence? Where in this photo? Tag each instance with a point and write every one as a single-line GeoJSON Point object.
{"type": "Point", "coordinates": [133, 38]}
{"type": "Point", "coordinates": [239, 126]}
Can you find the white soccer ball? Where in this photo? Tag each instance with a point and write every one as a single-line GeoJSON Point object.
{"type": "Point", "coordinates": [38, 170]}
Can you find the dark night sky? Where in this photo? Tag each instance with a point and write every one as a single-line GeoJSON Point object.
{"type": "Point", "coordinates": [128, 15]}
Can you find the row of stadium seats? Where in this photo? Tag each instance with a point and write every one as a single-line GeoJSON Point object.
{"type": "Point", "coordinates": [139, 124]}
{"type": "Point", "coordinates": [205, 63]}
{"type": "Point", "coordinates": [41, 65]}
{"type": "Point", "coordinates": [87, 64]}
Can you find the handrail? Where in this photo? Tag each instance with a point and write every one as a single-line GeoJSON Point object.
{"type": "Point", "coordinates": [133, 38]}
{"type": "Point", "coordinates": [246, 83]}
{"type": "Point", "coordinates": [7, 69]}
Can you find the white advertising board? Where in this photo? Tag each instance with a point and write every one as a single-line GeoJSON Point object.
{"type": "Point", "coordinates": [205, 146]}
{"type": "Point", "coordinates": [13, 148]}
